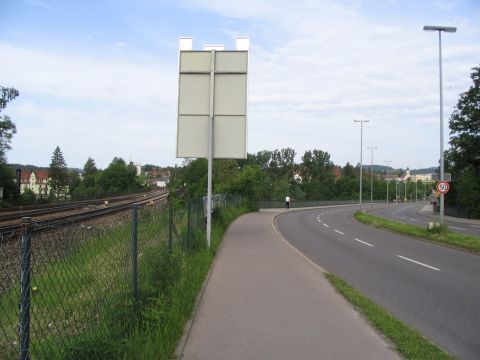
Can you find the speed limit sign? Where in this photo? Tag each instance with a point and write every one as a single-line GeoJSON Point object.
{"type": "Point", "coordinates": [443, 187]}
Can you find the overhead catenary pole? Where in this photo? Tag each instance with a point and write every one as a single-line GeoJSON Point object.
{"type": "Point", "coordinates": [361, 159]}
{"type": "Point", "coordinates": [442, 173]}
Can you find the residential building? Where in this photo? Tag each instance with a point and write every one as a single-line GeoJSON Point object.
{"type": "Point", "coordinates": [36, 181]}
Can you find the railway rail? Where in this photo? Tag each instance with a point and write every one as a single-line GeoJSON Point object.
{"type": "Point", "coordinates": [11, 223]}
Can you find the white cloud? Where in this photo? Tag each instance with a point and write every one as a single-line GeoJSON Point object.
{"type": "Point", "coordinates": [314, 67]}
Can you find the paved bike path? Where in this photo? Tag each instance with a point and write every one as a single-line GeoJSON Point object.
{"type": "Point", "coordinates": [264, 300]}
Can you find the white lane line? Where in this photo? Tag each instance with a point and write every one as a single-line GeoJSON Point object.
{"type": "Point", "coordinates": [458, 228]}
{"type": "Point", "coordinates": [338, 232]}
{"type": "Point", "coordinates": [363, 242]}
{"type": "Point", "coordinates": [325, 225]}
{"type": "Point", "coordinates": [475, 226]}
{"type": "Point", "coordinates": [413, 219]}
{"type": "Point", "coordinates": [418, 262]}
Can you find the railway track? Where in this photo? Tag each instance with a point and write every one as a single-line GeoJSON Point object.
{"type": "Point", "coordinates": [11, 223]}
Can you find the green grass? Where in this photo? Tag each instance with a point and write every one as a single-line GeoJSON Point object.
{"type": "Point", "coordinates": [408, 342]}
{"type": "Point", "coordinates": [442, 236]}
{"type": "Point", "coordinates": [83, 307]}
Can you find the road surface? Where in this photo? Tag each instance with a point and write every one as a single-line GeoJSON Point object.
{"type": "Point", "coordinates": [432, 288]}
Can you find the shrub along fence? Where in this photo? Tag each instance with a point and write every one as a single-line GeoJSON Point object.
{"type": "Point", "coordinates": [66, 290]}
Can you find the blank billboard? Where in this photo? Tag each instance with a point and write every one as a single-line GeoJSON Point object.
{"type": "Point", "coordinates": [229, 109]}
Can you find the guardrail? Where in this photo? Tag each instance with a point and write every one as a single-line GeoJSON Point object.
{"type": "Point", "coordinates": [275, 204]}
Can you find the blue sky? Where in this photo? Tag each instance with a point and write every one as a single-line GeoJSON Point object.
{"type": "Point", "coordinates": [99, 78]}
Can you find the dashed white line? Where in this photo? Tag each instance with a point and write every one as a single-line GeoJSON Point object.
{"type": "Point", "coordinates": [418, 262]}
{"type": "Point", "coordinates": [413, 219]}
{"type": "Point", "coordinates": [363, 242]}
{"type": "Point", "coordinates": [325, 225]}
{"type": "Point", "coordinates": [338, 231]}
{"type": "Point", "coordinates": [458, 228]}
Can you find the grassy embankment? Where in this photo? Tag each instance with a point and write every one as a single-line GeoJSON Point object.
{"type": "Point", "coordinates": [409, 343]}
{"type": "Point", "coordinates": [441, 236]}
{"type": "Point", "coordinates": [84, 309]}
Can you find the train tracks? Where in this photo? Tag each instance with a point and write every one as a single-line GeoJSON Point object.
{"type": "Point", "coordinates": [11, 222]}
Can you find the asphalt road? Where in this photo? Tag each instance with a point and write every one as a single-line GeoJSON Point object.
{"type": "Point", "coordinates": [434, 289]}
{"type": "Point", "coordinates": [422, 212]}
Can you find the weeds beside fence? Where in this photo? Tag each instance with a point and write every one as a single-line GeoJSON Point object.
{"type": "Point", "coordinates": [104, 289]}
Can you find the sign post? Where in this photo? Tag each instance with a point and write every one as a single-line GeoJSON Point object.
{"type": "Point", "coordinates": [212, 106]}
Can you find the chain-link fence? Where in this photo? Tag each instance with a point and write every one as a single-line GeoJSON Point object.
{"type": "Point", "coordinates": [65, 289]}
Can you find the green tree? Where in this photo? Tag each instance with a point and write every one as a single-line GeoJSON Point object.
{"type": "Point", "coordinates": [118, 178]}
{"type": "Point", "coordinates": [463, 158]}
{"type": "Point", "coordinates": [318, 179]}
{"type": "Point", "coordinates": [7, 127]}
{"type": "Point", "coordinates": [57, 172]}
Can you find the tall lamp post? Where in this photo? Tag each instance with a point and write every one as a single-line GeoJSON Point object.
{"type": "Point", "coordinates": [442, 174]}
{"type": "Point", "coordinates": [388, 164]}
{"type": "Point", "coordinates": [361, 153]}
{"type": "Point", "coordinates": [371, 175]}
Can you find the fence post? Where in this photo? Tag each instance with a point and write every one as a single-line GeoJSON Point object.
{"type": "Point", "coordinates": [170, 222]}
{"type": "Point", "coordinates": [189, 225]}
{"type": "Point", "coordinates": [134, 253]}
{"type": "Point", "coordinates": [25, 291]}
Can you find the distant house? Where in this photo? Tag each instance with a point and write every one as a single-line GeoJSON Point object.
{"type": "Point", "coordinates": [337, 172]}
{"type": "Point", "coordinates": [162, 181]}
{"type": "Point", "coordinates": [36, 181]}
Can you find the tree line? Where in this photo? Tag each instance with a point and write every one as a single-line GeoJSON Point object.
{"type": "Point", "coordinates": [272, 175]}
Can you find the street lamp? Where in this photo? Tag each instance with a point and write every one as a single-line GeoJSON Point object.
{"type": "Point", "coordinates": [388, 164]}
{"type": "Point", "coordinates": [442, 174]}
{"type": "Point", "coordinates": [371, 175]}
{"type": "Point", "coordinates": [361, 153]}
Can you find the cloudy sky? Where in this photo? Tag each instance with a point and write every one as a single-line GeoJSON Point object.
{"type": "Point", "coordinates": [99, 78]}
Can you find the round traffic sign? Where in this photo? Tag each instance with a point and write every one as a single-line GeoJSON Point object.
{"type": "Point", "coordinates": [443, 187]}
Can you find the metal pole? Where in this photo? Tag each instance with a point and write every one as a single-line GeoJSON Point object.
{"type": "Point", "coordinates": [371, 175]}
{"type": "Point", "coordinates": [405, 191]}
{"type": "Point", "coordinates": [361, 159]}
{"type": "Point", "coordinates": [388, 164]}
{"type": "Point", "coordinates": [134, 253]}
{"type": "Point", "coordinates": [25, 290]}
{"type": "Point", "coordinates": [416, 189]}
{"type": "Point", "coordinates": [442, 173]}
{"type": "Point", "coordinates": [210, 148]}
{"type": "Point", "coordinates": [170, 222]}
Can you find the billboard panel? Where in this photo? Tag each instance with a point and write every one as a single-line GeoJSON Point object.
{"type": "Point", "coordinates": [229, 104]}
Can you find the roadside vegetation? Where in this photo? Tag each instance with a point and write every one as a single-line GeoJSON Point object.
{"type": "Point", "coordinates": [442, 236]}
{"type": "Point", "coordinates": [408, 342]}
{"type": "Point", "coordinates": [97, 318]}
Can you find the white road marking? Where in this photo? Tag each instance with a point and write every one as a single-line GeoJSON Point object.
{"type": "Point", "coordinates": [363, 242]}
{"type": "Point", "coordinates": [418, 262]}
{"type": "Point", "coordinates": [475, 226]}
{"type": "Point", "coordinates": [338, 232]}
{"type": "Point", "coordinates": [413, 219]}
{"type": "Point", "coordinates": [458, 228]}
{"type": "Point", "coordinates": [325, 225]}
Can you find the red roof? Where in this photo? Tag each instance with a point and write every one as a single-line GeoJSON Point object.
{"type": "Point", "coordinates": [39, 174]}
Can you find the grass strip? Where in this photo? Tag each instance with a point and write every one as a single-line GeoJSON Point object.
{"type": "Point", "coordinates": [409, 343]}
{"type": "Point", "coordinates": [444, 236]}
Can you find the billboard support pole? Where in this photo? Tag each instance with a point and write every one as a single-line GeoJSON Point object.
{"type": "Point", "coordinates": [210, 148]}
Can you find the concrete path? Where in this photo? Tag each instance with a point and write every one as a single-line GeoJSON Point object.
{"type": "Point", "coordinates": [264, 300]}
